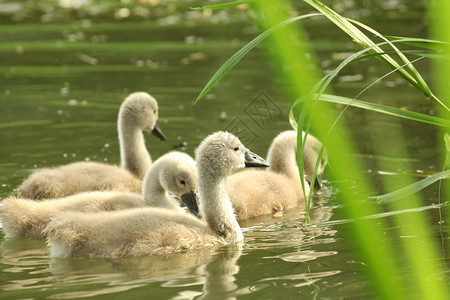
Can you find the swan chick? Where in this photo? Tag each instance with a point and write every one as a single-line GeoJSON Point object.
{"type": "Point", "coordinates": [174, 173]}
{"type": "Point", "coordinates": [271, 191]}
{"type": "Point", "coordinates": [138, 112]}
{"type": "Point", "coordinates": [149, 231]}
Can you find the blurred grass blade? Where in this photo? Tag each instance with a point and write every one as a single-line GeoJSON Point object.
{"type": "Point", "coordinates": [447, 153]}
{"type": "Point", "coordinates": [222, 5]}
{"type": "Point", "coordinates": [413, 188]}
{"type": "Point", "coordinates": [233, 60]}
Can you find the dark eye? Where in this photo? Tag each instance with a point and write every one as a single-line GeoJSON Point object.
{"type": "Point", "coordinates": [183, 182]}
{"type": "Point", "coordinates": [236, 148]}
{"type": "Point", "coordinates": [154, 111]}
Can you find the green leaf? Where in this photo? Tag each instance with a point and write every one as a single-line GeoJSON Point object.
{"type": "Point", "coordinates": [388, 110]}
{"type": "Point", "coordinates": [233, 60]}
{"type": "Point", "coordinates": [419, 42]}
{"type": "Point", "coordinates": [418, 81]}
{"type": "Point", "coordinates": [346, 24]}
{"type": "Point", "coordinates": [425, 53]}
{"type": "Point", "coordinates": [447, 147]}
{"type": "Point", "coordinates": [383, 214]}
{"type": "Point", "coordinates": [413, 188]}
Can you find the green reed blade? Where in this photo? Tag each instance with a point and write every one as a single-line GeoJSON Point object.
{"type": "Point", "coordinates": [383, 214]}
{"type": "Point", "coordinates": [325, 81]}
{"type": "Point", "coordinates": [235, 58]}
{"type": "Point", "coordinates": [413, 188]}
{"type": "Point", "coordinates": [413, 76]}
{"type": "Point", "coordinates": [418, 42]}
{"type": "Point", "coordinates": [384, 109]}
{"type": "Point", "coordinates": [419, 82]}
{"type": "Point", "coordinates": [447, 152]}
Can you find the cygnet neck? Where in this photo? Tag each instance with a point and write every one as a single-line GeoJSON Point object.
{"type": "Point", "coordinates": [282, 156]}
{"type": "Point", "coordinates": [154, 193]}
{"type": "Point", "coordinates": [216, 206]}
{"type": "Point", "coordinates": [134, 155]}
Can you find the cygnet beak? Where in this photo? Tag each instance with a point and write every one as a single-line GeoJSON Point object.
{"type": "Point", "coordinates": [254, 160]}
{"type": "Point", "coordinates": [158, 132]}
{"type": "Point", "coordinates": [190, 199]}
{"type": "Point", "coordinates": [318, 183]}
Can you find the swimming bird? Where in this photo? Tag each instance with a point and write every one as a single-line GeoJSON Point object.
{"type": "Point", "coordinates": [174, 173]}
{"type": "Point", "coordinates": [138, 112]}
{"type": "Point", "coordinates": [148, 231]}
{"type": "Point", "coordinates": [271, 191]}
{"type": "Point", "coordinates": [311, 153]}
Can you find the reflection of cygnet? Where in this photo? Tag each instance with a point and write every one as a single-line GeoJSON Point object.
{"type": "Point", "coordinates": [138, 112]}
{"type": "Point", "coordinates": [147, 231]}
{"type": "Point", "coordinates": [219, 274]}
{"type": "Point", "coordinates": [271, 191]}
{"type": "Point", "coordinates": [174, 172]}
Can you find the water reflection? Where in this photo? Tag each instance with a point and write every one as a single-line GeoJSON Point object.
{"type": "Point", "coordinates": [303, 256]}
{"type": "Point", "coordinates": [208, 273]}
{"type": "Point", "coordinates": [298, 252]}
{"type": "Point", "coordinates": [67, 80]}
{"type": "Point", "coordinates": [307, 277]}
{"type": "Point", "coordinates": [292, 229]}
{"type": "Point", "coordinates": [24, 256]}
{"type": "Point", "coordinates": [219, 274]}
{"type": "Point", "coordinates": [213, 268]}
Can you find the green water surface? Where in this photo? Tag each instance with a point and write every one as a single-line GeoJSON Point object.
{"type": "Point", "coordinates": [61, 86]}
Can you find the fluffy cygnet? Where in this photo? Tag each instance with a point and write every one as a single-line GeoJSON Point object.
{"type": "Point", "coordinates": [148, 231]}
{"type": "Point", "coordinates": [271, 191]}
{"type": "Point", "coordinates": [139, 112]}
{"type": "Point", "coordinates": [174, 173]}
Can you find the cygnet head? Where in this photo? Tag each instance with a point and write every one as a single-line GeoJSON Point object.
{"type": "Point", "coordinates": [177, 174]}
{"type": "Point", "coordinates": [140, 110]}
{"type": "Point", "coordinates": [180, 179]}
{"type": "Point", "coordinates": [222, 153]}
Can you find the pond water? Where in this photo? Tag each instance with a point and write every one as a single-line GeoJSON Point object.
{"type": "Point", "coordinates": [63, 82]}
